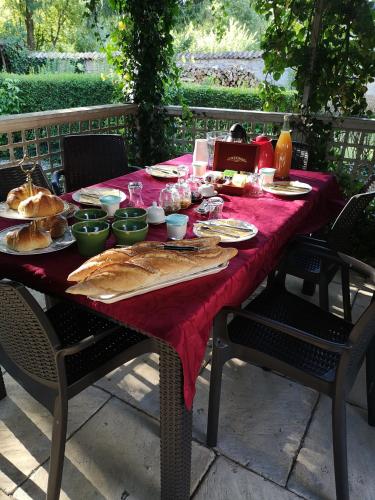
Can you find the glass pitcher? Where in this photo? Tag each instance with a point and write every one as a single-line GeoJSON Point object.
{"type": "Point", "coordinates": [135, 194]}
{"type": "Point", "coordinates": [183, 189]}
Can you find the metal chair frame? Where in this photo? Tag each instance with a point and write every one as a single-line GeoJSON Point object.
{"type": "Point", "coordinates": [336, 383]}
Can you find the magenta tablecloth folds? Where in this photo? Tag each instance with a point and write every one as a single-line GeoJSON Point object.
{"type": "Point", "coordinates": [182, 314]}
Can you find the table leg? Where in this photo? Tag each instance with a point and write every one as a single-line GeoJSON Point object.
{"type": "Point", "coordinates": [175, 429]}
{"type": "Point", "coordinates": [370, 380]}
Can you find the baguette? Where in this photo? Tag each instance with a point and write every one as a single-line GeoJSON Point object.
{"type": "Point", "coordinates": [26, 238]}
{"type": "Point", "coordinates": [152, 267]}
{"type": "Point", "coordinates": [16, 195]}
{"type": "Point", "coordinates": [41, 205]}
{"type": "Point", "coordinates": [122, 255]}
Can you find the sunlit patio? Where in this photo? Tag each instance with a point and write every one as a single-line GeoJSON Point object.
{"type": "Point", "coordinates": [274, 435]}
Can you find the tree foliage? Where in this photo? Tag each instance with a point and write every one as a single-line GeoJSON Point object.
{"type": "Point", "coordinates": [345, 58]}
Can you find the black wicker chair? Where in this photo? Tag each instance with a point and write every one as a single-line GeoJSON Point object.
{"type": "Point", "coordinates": [57, 354]}
{"type": "Point", "coordinates": [12, 177]}
{"type": "Point", "coordinates": [300, 154]}
{"type": "Point", "coordinates": [302, 262]}
{"type": "Point", "coordinates": [284, 333]}
{"type": "Point", "coordinates": [90, 159]}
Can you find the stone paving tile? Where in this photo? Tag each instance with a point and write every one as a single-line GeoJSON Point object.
{"type": "Point", "coordinates": [313, 475]}
{"type": "Point", "coordinates": [114, 455]}
{"type": "Point", "coordinates": [229, 481]}
{"type": "Point", "coordinates": [25, 430]}
{"type": "Point", "coordinates": [262, 418]}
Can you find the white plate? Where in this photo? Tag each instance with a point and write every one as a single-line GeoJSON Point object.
{"type": "Point", "coordinates": [77, 195]}
{"type": "Point", "coordinates": [301, 188]}
{"type": "Point", "coordinates": [242, 236]}
{"type": "Point", "coordinates": [164, 171]}
{"type": "Point", "coordinates": [57, 244]}
{"type": "Point", "coordinates": [8, 213]}
{"type": "Point", "coordinates": [110, 298]}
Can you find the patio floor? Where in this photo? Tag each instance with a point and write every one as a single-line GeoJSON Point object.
{"type": "Point", "coordinates": [274, 435]}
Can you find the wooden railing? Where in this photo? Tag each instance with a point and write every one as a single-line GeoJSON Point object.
{"type": "Point", "coordinates": [39, 134]}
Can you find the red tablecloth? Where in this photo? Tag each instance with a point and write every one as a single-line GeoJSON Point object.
{"type": "Point", "coordinates": [182, 315]}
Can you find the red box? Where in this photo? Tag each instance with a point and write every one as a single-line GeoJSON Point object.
{"type": "Point", "coordinates": [237, 156]}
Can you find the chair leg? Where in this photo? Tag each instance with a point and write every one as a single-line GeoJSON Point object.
{"type": "Point", "coordinates": [3, 391]}
{"type": "Point", "coordinates": [339, 448]}
{"type": "Point", "coordinates": [370, 382]}
{"type": "Point", "coordinates": [60, 418]}
{"type": "Point", "coordinates": [346, 294]}
{"type": "Point", "coordinates": [271, 278]}
{"type": "Point", "coordinates": [214, 398]}
{"type": "Point", "coordinates": [308, 288]}
{"type": "Point", "coordinates": [323, 294]}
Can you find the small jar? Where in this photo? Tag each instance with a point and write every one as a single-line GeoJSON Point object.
{"type": "Point", "coordinates": [170, 199]}
{"type": "Point", "coordinates": [135, 194]}
{"type": "Point", "coordinates": [183, 189]}
{"type": "Point", "coordinates": [194, 184]}
{"type": "Point", "coordinates": [176, 226]}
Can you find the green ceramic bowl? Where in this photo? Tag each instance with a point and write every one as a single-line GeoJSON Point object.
{"type": "Point", "coordinates": [87, 214]}
{"type": "Point", "coordinates": [91, 236]}
{"type": "Point", "coordinates": [131, 213]}
{"type": "Point", "coordinates": [128, 232]}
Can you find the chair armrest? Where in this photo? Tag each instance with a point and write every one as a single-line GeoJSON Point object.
{"type": "Point", "coordinates": [83, 344]}
{"type": "Point", "coordinates": [132, 168]}
{"type": "Point", "coordinates": [288, 330]}
{"type": "Point", "coordinates": [55, 181]}
{"type": "Point", "coordinates": [324, 253]}
{"type": "Point", "coordinates": [301, 238]}
{"type": "Point", "coordinates": [359, 266]}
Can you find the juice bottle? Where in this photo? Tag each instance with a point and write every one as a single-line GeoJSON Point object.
{"type": "Point", "coordinates": [283, 151]}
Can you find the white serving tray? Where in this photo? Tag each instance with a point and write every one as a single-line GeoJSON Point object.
{"type": "Point", "coordinates": [111, 298]}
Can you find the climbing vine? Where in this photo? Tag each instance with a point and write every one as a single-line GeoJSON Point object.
{"type": "Point", "coordinates": [141, 50]}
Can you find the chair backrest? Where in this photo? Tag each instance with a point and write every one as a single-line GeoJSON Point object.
{"type": "Point", "coordinates": [12, 177]}
{"type": "Point", "coordinates": [27, 338]}
{"type": "Point", "coordinates": [93, 158]}
{"type": "Point", "coordinates": [338, 236]}
{"type": "Point", "coordinates": [300, 154]}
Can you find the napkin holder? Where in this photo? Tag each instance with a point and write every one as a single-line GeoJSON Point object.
{"type": "Point", "coordinates": [235, 156]}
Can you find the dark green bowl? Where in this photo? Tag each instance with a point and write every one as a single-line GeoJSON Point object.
{"type": "Point", "coordinates": [90, 214]}
{"type": "Point", "coordinates": [91, 236]}
{"type": "Point", "coordinates": [131, 213]}
{"type": "Point", "coordinates": [128, 232]}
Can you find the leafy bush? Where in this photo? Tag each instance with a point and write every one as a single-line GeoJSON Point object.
{"type": "Point", "coordinates": [10, 101]}
{"type": "Point", "coordinates": [14, 55]}
{"type": "Point", "coordinates": [42, 92]}
{"type": "Point", "coordinates": [231, 98]}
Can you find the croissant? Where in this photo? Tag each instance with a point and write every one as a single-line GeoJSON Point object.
{"type": "Point", "coordinates": [56, 225]}
{"type": "Point", "coordinates": [16, 195]}
{"type": "Point", "coordinates": [26, 238]}
{"type": "Point", "coordinates": [41, 205]}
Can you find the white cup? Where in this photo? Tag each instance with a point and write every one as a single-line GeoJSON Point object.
{"type": "Point", "coordinates": [199, 168]}
{"type": "Point", "coordinates": [267, 175]}
{"type": "Point", "coordinates": [176, 226]}
{"type": "Point", "coordinates": [200, 150]}
{"type": "Point", "coordinates": [110, 204]}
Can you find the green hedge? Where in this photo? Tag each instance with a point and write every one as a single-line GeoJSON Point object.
{"type": "Point", "coordinates": [230, 97]}
{"type": "Point", "coordinates": [42, 92]}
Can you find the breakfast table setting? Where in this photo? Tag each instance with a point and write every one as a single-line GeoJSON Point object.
{"type": "Point", "coordinates": [245, 243]}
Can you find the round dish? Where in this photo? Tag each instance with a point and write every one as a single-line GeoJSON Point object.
{"type": "Point", "coordinates": [164, 171]}
{"type": "Point", "coordinates": [90, 214]}
{"type": "Point", "coordinates": [287, 188]}
{"type": "Point", "coordinates": [246, 231]}
{"type": "Point", "coordinates": [77, 195]}
{"type": "Point", "coordinates": [8, 213]}
{"type": "Point", "coordinates": [58, 244]}
{"type": "Point", "coordinates": [131, 214]}
{"type": "Point", "coordinates": [129, 231]}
